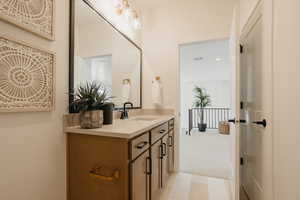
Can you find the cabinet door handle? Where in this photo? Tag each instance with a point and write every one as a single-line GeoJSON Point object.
{"type": "Point", "coordinates": [97, 173]}
{"type": "Point", "coordinates": [164, 149]}
{"type": "Point", "coordinates": [162, 131]}
{"type": "Point", "coordinates": [141, 145]}
{"type": "Point", "coordinates": [170, 140]}
{"type": "Point", "coordinates": [161, 149]}
{"type": "Point", "coordinates": [148, 166]}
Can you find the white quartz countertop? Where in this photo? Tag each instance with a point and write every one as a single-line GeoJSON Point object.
{"type": "Point", "coordinates": [126, 129]}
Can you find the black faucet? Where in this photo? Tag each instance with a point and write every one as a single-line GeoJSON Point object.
{"type": "Point", "coordinates": [124, 112]}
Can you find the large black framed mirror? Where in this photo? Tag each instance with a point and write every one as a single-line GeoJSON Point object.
{"type": "Point", "coordinates": [100, 52]}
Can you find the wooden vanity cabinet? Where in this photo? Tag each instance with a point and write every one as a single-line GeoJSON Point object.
{"type": "Point", "coordinates": [160, 161]}
{"type": "Point", "coordinates": [140, 177]}
{"type": "Point", "coordinates": [88, 154]}
{"type": "Point", "coordinates": [140, 167]}
{"type": "Point", "coordinates": [165, 161]}
{"type": "Point", "coordinates": [156, 151]}
{"type": "Point", "coordinates": [171, 151]}
{"type": "Point", "coordinates": [120, 169]}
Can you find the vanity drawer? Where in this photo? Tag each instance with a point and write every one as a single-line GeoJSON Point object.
{"type": "Point", "coordinates": [139, 145]}
{"type": "Point", "coordinates": [159, 132]}
{"type": "Point", "coordinates": [171, 124]}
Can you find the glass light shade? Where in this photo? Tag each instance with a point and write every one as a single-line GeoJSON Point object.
{"type": "Point", "coordinates": [119, 11]}
{"type": "Point", "coordinates": [128, 14]}
{"type": "Point", "coordinates": [137, 23]}
{"type": "Point", "coordinates": [117, 3]}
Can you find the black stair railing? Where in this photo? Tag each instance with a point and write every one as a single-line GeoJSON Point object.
{"type": "Point", "coordinates": [211, 116]}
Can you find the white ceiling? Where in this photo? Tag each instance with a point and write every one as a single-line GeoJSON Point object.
{"type": "Point", "coordinates": [208, 68]}
{"type": "Point", "coordinates": [146, 4]}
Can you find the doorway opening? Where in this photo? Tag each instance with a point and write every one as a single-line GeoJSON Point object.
{"type": "Point", "coordinates": [206, 101]}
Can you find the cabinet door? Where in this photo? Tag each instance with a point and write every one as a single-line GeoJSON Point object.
{"type": "Point", "coordinates": [156, 155]}
{"type": "Point", "coordinates": [164, 163]}
{"type": "Point", "coordinates": [171, 150]}
{"type": "Point", "coordinates": [140, 171]}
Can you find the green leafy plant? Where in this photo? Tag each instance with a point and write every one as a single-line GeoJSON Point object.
{"type": "Point", "coordinates": [202, 100]}
{"type": "Point", "coordinates": [89, 96]}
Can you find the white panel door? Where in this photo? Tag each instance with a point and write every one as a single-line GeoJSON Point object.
{"type": "Point", "coordinates": [256, 98]}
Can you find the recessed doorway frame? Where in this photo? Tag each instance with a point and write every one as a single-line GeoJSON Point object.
{"type": "Point", "coordinates": [178, 108]}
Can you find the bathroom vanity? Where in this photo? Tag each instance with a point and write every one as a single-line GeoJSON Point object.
{"type": "Point", "coordinates": [133, 158]}
{"type": "Point", "coordinates": [129, 160]}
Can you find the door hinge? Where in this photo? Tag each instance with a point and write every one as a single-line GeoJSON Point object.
{"type": "Point", "coordinates": [242, 105]}
{"type": "Point", "coordinates": [241, 161]}
{"type": "Point", "coordinates": [241, 48]}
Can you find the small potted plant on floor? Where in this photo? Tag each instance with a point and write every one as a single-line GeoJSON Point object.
{"type": "Point", "coordinates": [89, 99]}
{"type": "Point", "coordinates": [202, 100]}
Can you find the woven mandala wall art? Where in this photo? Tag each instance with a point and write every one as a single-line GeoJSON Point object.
{"type": "Point", "coordinates": [26, 77]}
{"type": "Point", "coordinates": [36, 16]}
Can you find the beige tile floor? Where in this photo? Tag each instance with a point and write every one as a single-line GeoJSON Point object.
{"type": "Point", "coordinates": [183, 186]}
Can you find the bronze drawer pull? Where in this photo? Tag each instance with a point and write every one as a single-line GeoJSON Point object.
{"type": "Point", "coordinates": [141, 145]}
{"type": "Point", "coordinates": [162, 131]}
{"type": "Point", "coordinates": [95, 173]}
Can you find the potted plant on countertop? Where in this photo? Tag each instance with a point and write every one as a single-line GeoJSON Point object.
{"type": "Point", "coordinates": [89, 99]}
{"type": "Point", "coordinates": [202, 100]}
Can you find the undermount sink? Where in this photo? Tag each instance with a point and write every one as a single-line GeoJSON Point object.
{"type": "Point", "coordinates": [144, 118]}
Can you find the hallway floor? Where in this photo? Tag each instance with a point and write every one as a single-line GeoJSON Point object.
{"type": "Point", "coordinates": [205, 154]}
{"type": "Point", "coordinates": [184, 186]}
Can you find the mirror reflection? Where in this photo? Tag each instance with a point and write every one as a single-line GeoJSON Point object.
{"type": "Point", "coordinates": [104, 55]}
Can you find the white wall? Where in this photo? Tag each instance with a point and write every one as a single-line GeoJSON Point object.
{"type": "Point", "coordinates": [166, 25]}
{"type": "Point", "coordinates": [245, 9]}
{"type": "Point", "coordinates": [286, 99]}
{"type": "Point", "coordinates": [32, 145]}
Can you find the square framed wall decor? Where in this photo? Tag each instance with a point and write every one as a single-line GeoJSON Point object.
{"type": "Point", "coordinates": [27, 77]}
{"type": "Point", "coordinates": [36, 16]}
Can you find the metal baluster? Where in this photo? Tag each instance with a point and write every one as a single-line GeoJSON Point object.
{"type": "Point", "coordinates": [222, 114]}
{"type": "Point", "coordinates": [209, 115]}
{"type": "Point", "coordinates": [215, 116]}
{"type": "Point", "coordinates": [196, 117]}
{"type": "Point", "coordinates": [205, 118]}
